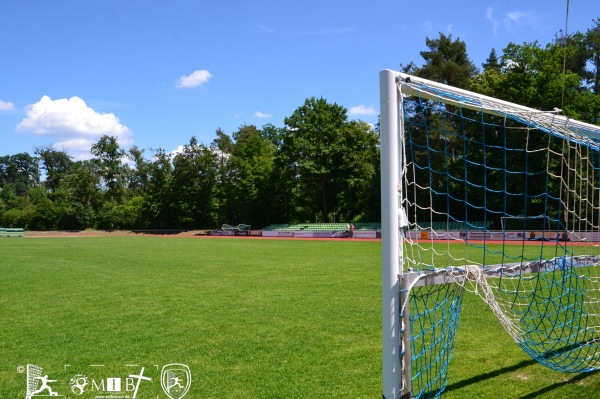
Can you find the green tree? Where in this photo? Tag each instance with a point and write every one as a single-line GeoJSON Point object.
{"type": "Point", "coordinates": [20, 172]}
{"type": "Point", "coordinates": [251, 177]}
{"type": "Point", "coordinates": [574, 52]}
{"type": "Point", "coordinates": [193, 186]}
{"type": "Point", "coordinates": [592, 43]}
{"type": "Point", "coordinates": [533, 76]}
{"type": "Point", "coordinates": [273, 134]}
{"type": "Point", "coordinates": [108, 155]}
{"type": "Point", "coordinates": [540, 77]}
{"type": "Point", "coordinates": [116, 216]}
{"type": "Point", "coordinates": [327, 164]}
{"type": "Point", "coordinates": [137, 181]}
{"type": "Point", "coordinates": [359, 186]}
{"type": "Point", "coordinates": [55, 163]}
{"type": "Point", "coordinates": [12, 208]}
{"type": "Point", "coordinates": [222, 147]}
{"type": "Point", "coordinates": [157, 209]}
{"type": "Point", "coordinates": [492, 62]}
{"type": "Point", "coordinates": [447, 62]}
{"type": "Point", "coordinates": [311, 144]}
{"type": "Point", "coordinates": [9, 198]}
{"type": "Point", "coordinates": [282, 180]}
{"type": "Point", "coordinates": [44, 214]}
{"type": "Point", "coordinates": [81, 196]}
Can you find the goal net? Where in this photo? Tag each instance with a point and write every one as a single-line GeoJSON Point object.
{"type": "Point", "coordinates": [492, 197]}
{"type": "Point", "coordinates": [33, 382]}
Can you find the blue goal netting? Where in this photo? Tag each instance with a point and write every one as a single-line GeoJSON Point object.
{"type": "Point", "coordinates": [505, 202]}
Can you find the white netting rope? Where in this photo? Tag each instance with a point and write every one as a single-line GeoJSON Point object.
{"type": "Point", "coordinates": [544, 293]}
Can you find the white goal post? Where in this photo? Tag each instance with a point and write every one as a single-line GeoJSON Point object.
{"type": "Point", "coordinates": [391, 142]}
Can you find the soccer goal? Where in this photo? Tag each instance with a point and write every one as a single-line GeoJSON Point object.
{"type": "Point", "coordinates": [489, 196]}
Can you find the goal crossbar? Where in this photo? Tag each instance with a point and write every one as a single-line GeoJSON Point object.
{"type": "Point", "coordinates": [550, 122]}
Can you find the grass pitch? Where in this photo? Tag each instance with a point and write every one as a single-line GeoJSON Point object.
{"type": "Point", "coordinates": [252, 318]}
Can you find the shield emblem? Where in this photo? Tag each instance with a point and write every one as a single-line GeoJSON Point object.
{"type": "Point", "coordinates": [175, 380]}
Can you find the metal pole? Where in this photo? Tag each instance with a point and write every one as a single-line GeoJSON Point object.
{"type": "Point", "coordinates": [391, 250]}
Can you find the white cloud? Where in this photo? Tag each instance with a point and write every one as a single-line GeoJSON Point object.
{"type": "Point", "coordinates": [176, 151]}
{"type": "Point", "coordinates": [259, 114]}
{"type": "Point", "coordinates": [333, 31]}
{"type": "Point", "coordinates": [6, 106]}
{"type": "Point", "coordinates": [75, 125]}
{"type": "Point", "coordinates": [362, 110]}
{"type": "Point", "coordinates": [509, 64]}
{"type": "Point", "coordinates": [194, 79]}
{"type": "Point", "coordinates": [264, 29]}
{"type": "Point", "coordinates": [428, 26]}
{"type": "Point", "coordinates": [489, 15]}
{"type": "Point", "coordinates": [68, 117]}
{"type": "Point", "coordinates": [518, 20]}
{"type": "Point", "coordinates": [515, 16]}
{"type": "Point", "coordinates": [78, 148]}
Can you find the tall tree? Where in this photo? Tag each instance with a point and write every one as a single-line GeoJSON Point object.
{"type": "Point", "coordinates": [311, 145]}
{"type": "Point", "coordinates": [359, 184]}
{"type": "Point", "coordinates": [251, 174]}
{"type": "Point", "coordinates": [108, 155]}
{"type": "Point", "coordinates": [81, 196]}
{"type": "Point", "coordinates": [447, 62]}
{"type": "Point", "coordinates": [492, 62]}
{"type": "Point", "coordinates": [56, 164]}
{"type": "Point", "coordinates": [157, 208]}
{"type": "Point", "coordinates": [273, 134]}
{"type": "Point", "coordinates": [222, 146]}
{"type": "Point", "coordinates": [573, 51]}
{"type": "Point", "coordinates": [592, 42]}
{"type": "Point", "coordinates": [138, 177]}
{"type": "Point", "coordinates": [19, 172]}
{"type": "Point", "coordinates": [533, 76]}
{"type": "Point", "coordinates": [193, 185]}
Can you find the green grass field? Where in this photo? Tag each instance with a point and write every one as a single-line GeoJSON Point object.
{"type": "Point", "coordinates": [253, 318]}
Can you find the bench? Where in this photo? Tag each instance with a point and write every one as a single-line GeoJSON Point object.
{"type": "Point", "coordinates": [240, 229]}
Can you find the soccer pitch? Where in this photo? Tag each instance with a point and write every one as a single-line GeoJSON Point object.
{"type": "Point", "coordinates": [252, 318]}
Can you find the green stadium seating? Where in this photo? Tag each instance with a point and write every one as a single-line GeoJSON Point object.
{"type": "Point", "coordinates": [323, 227]}
{"type": "Point", "coordinates": [11, 232]}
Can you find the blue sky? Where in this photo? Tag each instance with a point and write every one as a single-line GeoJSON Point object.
{"type": "Point", "coordinates": [156, 73]}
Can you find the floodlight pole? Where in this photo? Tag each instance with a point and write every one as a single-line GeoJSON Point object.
{"type": "Point", "coordinates": [390, 125]}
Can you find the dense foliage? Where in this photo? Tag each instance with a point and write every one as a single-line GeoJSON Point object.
{"type": "Point", "coordinates": [319, 166]}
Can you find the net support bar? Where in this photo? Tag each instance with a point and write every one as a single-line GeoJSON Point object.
{"type": "Point", "coordinates": [459, 274]}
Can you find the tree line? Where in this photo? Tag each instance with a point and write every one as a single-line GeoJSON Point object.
{"type": "Point", "coordinates": [319, 166]}
{"type": "Point", "coordinates": [479, 168]}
